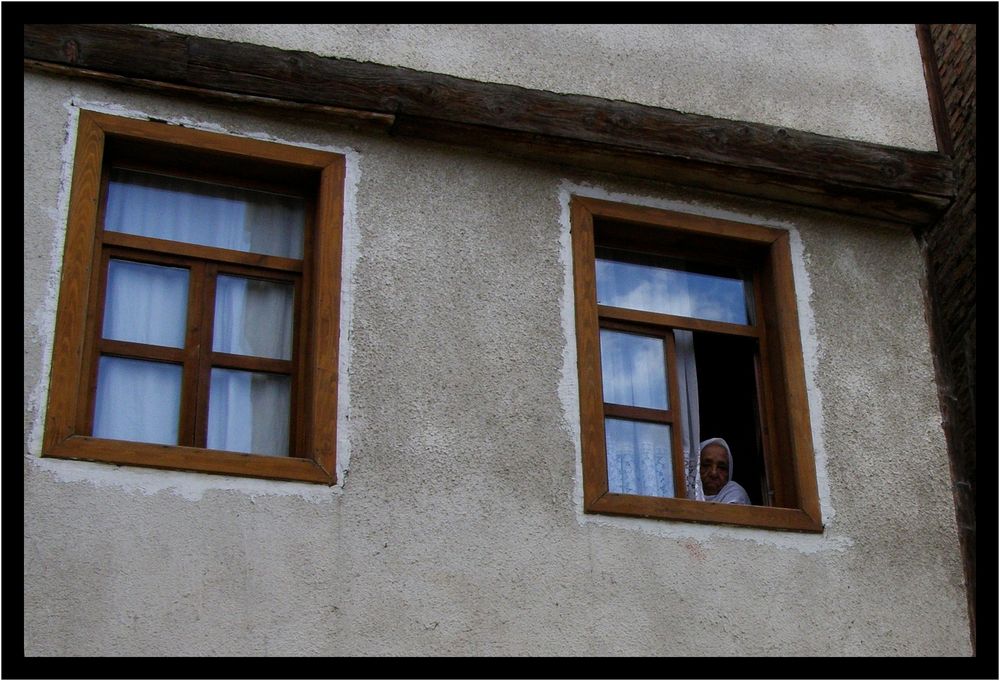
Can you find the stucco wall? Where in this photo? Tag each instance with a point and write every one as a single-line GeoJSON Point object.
{"type": "Point", "coordinates": [458, 526]}
{"type": "Point", "coordinates": [862, 82]}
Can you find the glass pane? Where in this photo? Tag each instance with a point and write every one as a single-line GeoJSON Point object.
{"type": "Point", "coordinates": [671, 291]}
{"type": "Point", "coordinates": [639, 460]}
{"type": "Point", "coordinates": [146, 303]}
{"type": "Point", "coordinates": [253, 317]}
{"type": "Point", "coordinates": [248, 412]}
{"type": "Point", "coordinates": [633, 369]}
{"type": "Point", "coordinates": [201, 213]}
{"type": "Point", "coordinates": [137, 400]}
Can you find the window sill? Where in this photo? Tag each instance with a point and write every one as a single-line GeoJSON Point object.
{"type": "Point", "coordinates": [687, 510]}
{"type": "Point", "coordinates": [190, 459]}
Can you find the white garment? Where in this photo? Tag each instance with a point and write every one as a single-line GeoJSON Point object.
{"type": "Point", "coordinates": [732, 492]}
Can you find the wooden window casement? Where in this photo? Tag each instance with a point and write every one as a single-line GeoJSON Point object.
{"type": "Point", "coordinates": [744, 342]}
{"type": "Point", "coordinates": [198, 318]}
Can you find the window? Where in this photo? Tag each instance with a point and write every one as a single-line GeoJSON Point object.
{"type": "Point", "coordinates": [198, 317]}
{"type": "Point", "coordinates": [687, 329]}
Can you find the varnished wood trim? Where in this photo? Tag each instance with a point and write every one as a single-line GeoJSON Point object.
{"type": "Point", "coordinates": [240, 149]}
{"type": "Point", "coordinates": [779, 446]}
{"type": "Point", "coordinates": [688, 510]}
{"type": "Point", "coordinates": [300, 435]}
{"type": "Point", "coordinates": [203, 373]}
{"type": "Point", "coordinates": [588, 351]}
{"type": "Point", "coordinates": [675, 322]}
{"type": "Point", "coordinates": [67, 372]}
{"type": "Point", "coordinates": [168, 247]}
{"type": "Point", "coordinates": [666, 219]}
{"type": "Point", "coordinates": [625, 411]}
{"type": "Point", "coordinates": [194, 340]}
{"type": "Point", "coordinates": [794, 386]}
{"type": "Point", "coordinates": [296, 434]}
{"type": "Point", "coordinates": [765, 402]}
{"type": "Point", "coordinates": [676, 440]}
{"type": "Point", "coordinates": [94, 331]}
{"type": "Point", "coordinates": [324, 314]}
{"type": "Point", "coordinates": [140, 351]}
{"type": "Point", "coordinates": [224, 360]}
{"type": "Point", "coordinates": [191, 459]}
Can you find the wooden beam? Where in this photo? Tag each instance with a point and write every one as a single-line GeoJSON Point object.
{"type": "Point", "coordinates": [352, 118]}
{"type": "Point", "coordinates": [932, 76]}
{"type": "Point", "coordinates": [750, 159]}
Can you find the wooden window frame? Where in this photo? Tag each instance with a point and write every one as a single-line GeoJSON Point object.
{"type": "Point", "coordinates": [784, 413]}
{"type": "Point", "coordinates": [317, 278]}
{"type": "Point", "coordinates": [665, 417]}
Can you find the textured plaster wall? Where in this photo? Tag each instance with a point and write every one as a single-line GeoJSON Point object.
{"type": "Point", "coordinates": [862, 82]}
{"type": "Point", "coordinates": [458, 528]}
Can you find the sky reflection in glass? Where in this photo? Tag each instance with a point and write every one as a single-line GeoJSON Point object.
{"type": "Point", "coordinates": [669, 291]}
{"type": "Point", "coordinates": [633, 370]}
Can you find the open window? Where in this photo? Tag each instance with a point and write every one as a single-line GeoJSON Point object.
{"type": "Point", "coordinates": [686, 330]}
{"type": "Point", "coordinates": [198, 316]}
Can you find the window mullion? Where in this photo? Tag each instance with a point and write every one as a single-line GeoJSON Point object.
{"type": "Point", "coordinates": [677, 446]}
{"type": "Point", "coordinates": [200, 358]}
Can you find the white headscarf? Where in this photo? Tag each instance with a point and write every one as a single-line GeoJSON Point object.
{"type": "Point", "coordinates": [732, 492]}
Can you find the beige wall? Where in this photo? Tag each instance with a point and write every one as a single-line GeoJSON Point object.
{"type": "Point", "coordinates": [458, 527]}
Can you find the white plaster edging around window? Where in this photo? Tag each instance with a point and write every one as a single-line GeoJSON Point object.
{"type": "Point", "coordinates": [569, 384]}
{"type": "Point", "coordinates": [189, 485]}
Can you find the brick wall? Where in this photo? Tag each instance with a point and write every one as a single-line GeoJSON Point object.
{"type": "Point", "coordinates": [950, 250]}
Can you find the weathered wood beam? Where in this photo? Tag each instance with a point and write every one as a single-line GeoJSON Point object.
{"type": "Point", "coordinates": [750, 159]}
{"type": "Point", "coordinates": [352, 118]}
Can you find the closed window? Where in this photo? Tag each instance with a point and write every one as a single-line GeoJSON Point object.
{"type": "Point", "coordinates": [198, 317]}
{"type": "Point", "coordinates": [687, 339]}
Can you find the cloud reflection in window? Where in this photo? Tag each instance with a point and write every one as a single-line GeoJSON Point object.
{"type": "Point", "coordinates": [669, 291]}
{"type": "Point", "coordinates": [633, 370]}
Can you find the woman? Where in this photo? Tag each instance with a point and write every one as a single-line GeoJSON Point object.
{"type": "Point", "coordinates": [716, 473]}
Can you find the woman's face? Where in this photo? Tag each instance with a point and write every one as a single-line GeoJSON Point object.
{"type": "Point", "coordinates": [714, 468]}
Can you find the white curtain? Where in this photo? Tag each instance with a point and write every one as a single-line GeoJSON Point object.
{"type": "Point", "coordinates": [249, 412]}
{"type": "Point", "coordinates": [146, 303]}
{"type": "Point", "coordinates": [200, 213]}
{"type": "Point", "coordinates": [639, 459]}
{"type": "Point", "coordinates": [253, 317]}
{"type": "Point", "coordinates": [687, 380]}
{"type": "Point", "coordinates": [139, 400]}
